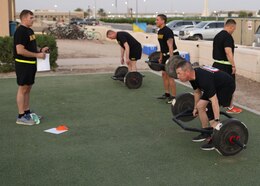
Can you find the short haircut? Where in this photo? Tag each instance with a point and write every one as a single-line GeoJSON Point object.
{"type": "Point", "coordinates": [110, 31]}
{"type": "Point", "coordinates": [163, 17]}
{"type": "Point", "coordinates": [25, 13]}
{"type": "Point", "coordinates": [184, 65]}
{"type": "Point", "coordinates": [230, 22]}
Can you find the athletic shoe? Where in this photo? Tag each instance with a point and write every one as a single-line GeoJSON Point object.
{"type": "Point", "coordinates": [200, 137]}
{"type": "Point", "coordinates": [35, 118]}
{"type": "Point", "coordinates": [25, 120]}
{"type": "Point", "coordinates": [170, 99]}
{"type": "Point", "coordinates": [209, 145]}
{"type": "Point", "coordinates": [39, 116]}
{"type": "Point", "coordinates": [164, 96]}
{"type": "Point", "coordinates": [233, 110]}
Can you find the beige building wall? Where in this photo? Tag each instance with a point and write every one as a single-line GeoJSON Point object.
{"type": "Point", "coordinates": [7, 13]}
{"type": "Point", "coordinates": [4, 18]}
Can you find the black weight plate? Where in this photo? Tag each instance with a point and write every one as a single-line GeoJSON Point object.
{"type": "Point", "coordinates": [133, 80]}
{"type": "Point", "coordinates": [154, 61]}
{"type": "Point", "coordinates": [156, 66]}
{"type": "Point", "coordinates": [154, 56]}
{"type": "Point", "coordinates": [182, 103]}
{"type": "Point", "coordinates": [221, 137]}
{"type": "Point", "coordinates": [121, 72]}
{"type": "Point", "coordinates": [170, 66]}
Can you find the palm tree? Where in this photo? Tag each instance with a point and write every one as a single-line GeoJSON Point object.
{"type": "Point", "coordinates": [78, 10]}
{"type": "Point", "coordinates": [102, 13]}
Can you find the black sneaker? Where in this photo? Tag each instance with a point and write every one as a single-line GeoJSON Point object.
{"type": "Point", "coordinates": [200, 137]}
{"type": "Point", "coordinates": [170, 99]}
{"type": "Point", "coordinates": [164, 96]}
{"type": "Point", "coordinates": [208, 146]}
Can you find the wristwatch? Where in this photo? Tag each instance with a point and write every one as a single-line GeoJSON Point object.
{"type": "Point", "coordinates": [216, 120]}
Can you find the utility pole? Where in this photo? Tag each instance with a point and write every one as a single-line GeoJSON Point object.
{"type": "Point", "coordinates": [136, 14]}
{"type": "Point", "coordinates": [95, 4]}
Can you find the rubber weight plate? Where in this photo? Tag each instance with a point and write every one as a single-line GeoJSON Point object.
{"type": "Point", "coordinates": [121, 72]}
{"type": "Point", "coordinates": [182, 103]}
{"type": "Point", "coordinates": [171, 64]}
{"type": "Point", "coordinates": [222, 137]}
{"type": "Point", "coordinates": [154, 61]}
{"type": "Point", "coordinates": [133, 80]}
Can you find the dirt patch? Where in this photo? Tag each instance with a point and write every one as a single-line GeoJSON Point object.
{"type": "Point", "coordinates": [87, 49]}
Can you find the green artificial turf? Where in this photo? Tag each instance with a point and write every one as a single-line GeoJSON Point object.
{"type": "Point", "coordinates": [116, 137]}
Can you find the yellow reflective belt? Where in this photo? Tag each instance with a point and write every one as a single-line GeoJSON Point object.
{"type": "Point", "coordinates": [25, 61]}
{"type": "Point", "coordinates": [223, 62]}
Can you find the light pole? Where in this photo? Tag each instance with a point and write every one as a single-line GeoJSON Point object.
{"type": "Point", "coordinates": [145, 6]}
{"type": "Point", "coordinates": [136, 14]}
{"type": "Point", "coordinates": [216, 14]}
{"type": "Point", "coordinates": [95, 7]}
{"type": "Point", "coordinates": [55, 7]}
{"type": "Point", "coordinates": [126, 3]}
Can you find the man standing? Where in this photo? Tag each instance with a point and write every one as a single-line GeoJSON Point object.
{"type": "Point", "coordinates": [130, 48]}
{"type": "Point", "coordinates": [168, 49]}
{"type": "Point", "coordinates": [25, 54]}
{"type": "Point", "coordinates": [223, 55]}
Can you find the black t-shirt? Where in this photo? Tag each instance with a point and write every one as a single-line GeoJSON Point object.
{"type": "Point", "coordinates": [123, 37]}
{"type": "Point", "coordinates": [164, 34]}
{"type": "Point", "coordinates": [25, 36]}
{"type": "Point", "coordinates": [210, 80]}
{"type": "Point", "coordinates": [222, 40]}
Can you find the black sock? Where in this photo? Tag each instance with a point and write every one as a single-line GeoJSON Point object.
{"type": "Point", "coordinates": [167, 95]}
{"type": "Point", "coordinates": [20, 115]}
{"type": "Point", "coordinates": [27, 112]}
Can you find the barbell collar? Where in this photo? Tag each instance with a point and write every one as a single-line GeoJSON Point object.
{"type": "Point", "coordinates": [237, 142]}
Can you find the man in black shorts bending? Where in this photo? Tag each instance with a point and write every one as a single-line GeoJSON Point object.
{"type": "Point", "coordinates": [130, 47]}
{"type": "Point", "coordinates": [25, 54]}
{"type": "Point", "coordinates": [212, 88]}
{"type": "Point", "coordinates": [168, 49]}
{"type": "Point", "coordinates": [223, 55]}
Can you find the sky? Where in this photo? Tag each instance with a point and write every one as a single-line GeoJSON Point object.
{"type": "Point", "coordinates": [148, 6]}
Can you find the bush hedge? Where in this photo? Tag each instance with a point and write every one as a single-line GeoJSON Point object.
{"type": "Point", "coordinates": [151, 21]}
{"type": "Point", "coordinates": [7, 63]}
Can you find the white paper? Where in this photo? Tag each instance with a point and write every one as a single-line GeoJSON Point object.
{"type": "Point", "coordinates": [55, 131]}
{"type": "Point", "coordinates": [43, 64]}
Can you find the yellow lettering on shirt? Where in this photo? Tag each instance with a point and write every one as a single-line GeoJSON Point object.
{"type": "Point", "coordinates": [32, 37]}
{"type": "Point", "coordinates": [160, 36]}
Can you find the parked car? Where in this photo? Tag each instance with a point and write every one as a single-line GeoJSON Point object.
{"type": "Point", "coordinates": [256, 42]}
{"type": "Point", "coordinates": [76, 21]}
{"type": "Point", "coordinates": [92, 21]}
{"type": "Point", "coordinates": [179, 23]}
{"type": "Point", "coordinates": [176, 24]}
{"type": "Point", "coordinates": [176, 31]}
{"type": "Point", "coordinates": [204, 30]}
{"type": "Point", "coordinates": [79, 21]}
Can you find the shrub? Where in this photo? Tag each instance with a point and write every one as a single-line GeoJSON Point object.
{"type": "Point", "coordinates": [46, 40]}
{"type": "Point", "coordinates": [151, 21]}
{"type": "Point", "coordinates": [6, 54]}
{"type": "Point", "coordinates": [7, 63]}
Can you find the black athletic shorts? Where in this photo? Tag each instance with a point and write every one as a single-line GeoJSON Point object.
{"type": "Point", "coordinates": [25, 73]}
{"type": "Point", "coordinates": [224, 96]}
{"type": "Point", "coordinates": [166, 57]}
{"type": "Point", "coordinates": [135, 53]}
{"type": "Point", "coordinates": [225, 68]}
